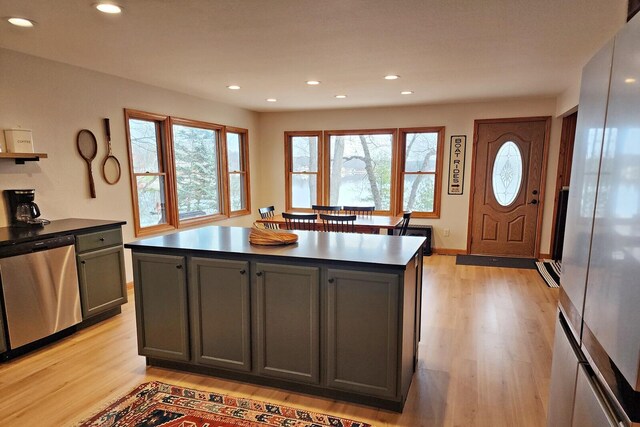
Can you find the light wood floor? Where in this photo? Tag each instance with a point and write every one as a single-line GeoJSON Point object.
{"type": "Point", "coordinates": [485, 360]}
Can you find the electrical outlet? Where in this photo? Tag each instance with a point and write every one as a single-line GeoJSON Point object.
{"type": "Point", "coordinates": [446, 232]}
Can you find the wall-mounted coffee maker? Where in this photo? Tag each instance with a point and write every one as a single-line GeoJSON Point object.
{"type": "Point", "coordinates": [23, 211]}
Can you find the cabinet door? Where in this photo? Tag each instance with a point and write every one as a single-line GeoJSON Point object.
{"type": "Point", "coordinates": [102, 280]}
{"type": "Point", "coordinates": [362, 332]}
{"type": "Point", "coordinates": [220, 318]}
{"type": "Point", "coordinates": [287, 313]}
{"type": "Point", "coordinates": [3, 340]}
{"type": "Point", "coordinates": [161, 306]}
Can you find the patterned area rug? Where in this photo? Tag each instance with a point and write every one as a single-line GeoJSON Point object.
{"type": "Point", "coordinates": [157, 404]}
{"type": "Point", "coordinates": [550, 272]}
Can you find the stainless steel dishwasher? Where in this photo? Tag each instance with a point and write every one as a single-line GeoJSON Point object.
{"type": "Point", "coordinates": [40, 289]}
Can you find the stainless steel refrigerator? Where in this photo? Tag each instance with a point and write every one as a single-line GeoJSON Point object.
{"type": "Point", "coordinates": [596, 359]}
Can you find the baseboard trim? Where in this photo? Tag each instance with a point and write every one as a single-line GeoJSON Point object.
{"type": "Point", "coordinates": [544, 256]}
{"type": "Point", "coordinates": [445, 251]}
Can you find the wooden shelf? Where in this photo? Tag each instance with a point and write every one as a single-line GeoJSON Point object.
{"type": "Point", "coordinates": [20, 158]}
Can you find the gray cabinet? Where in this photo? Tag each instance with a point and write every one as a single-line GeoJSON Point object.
{"type": "Point", "coordinates": [101, 272]}
{"type": "Point", "coordinates": [161, 306]}
{"type": "Point", "coordinates": [220, 313]}
{"type": "Point", "coordinates": [362, 331]}
{"type": "Point", "coordinates": [312, 317]}
{"type": "Point", "coordinates": [287, 321]}
{"type": "Point", "coordinates": [3, 340]}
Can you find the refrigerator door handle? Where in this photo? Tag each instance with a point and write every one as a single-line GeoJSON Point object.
{"type": "Point", "coordinates": [599, 395]}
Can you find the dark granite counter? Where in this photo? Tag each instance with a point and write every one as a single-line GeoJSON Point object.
{"type": "Point", "coordinates": [60, 227]}
{"type": "Point", "coordinates": [312, 245]}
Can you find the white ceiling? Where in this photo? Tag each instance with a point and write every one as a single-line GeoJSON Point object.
{"type": "Point", "coordinates": [444, 50]}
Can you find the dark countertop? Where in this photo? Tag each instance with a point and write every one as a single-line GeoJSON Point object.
{"type": "Point", "coordinates": [312, 245]}
{"type": "Point", "coordinates": [13, 235]}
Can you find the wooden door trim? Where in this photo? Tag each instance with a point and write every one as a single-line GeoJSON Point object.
{"type": "Point", "coordinates": [565, 160]}
{"type": "Point", "coordinates": [543, 172]}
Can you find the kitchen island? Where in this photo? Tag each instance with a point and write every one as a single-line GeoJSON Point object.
{"type": "Point", "coordinates": [335, 314]}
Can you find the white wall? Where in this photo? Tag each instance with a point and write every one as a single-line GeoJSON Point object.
{"type": "Point", "coordinates": [458, 120]}
{"type": "Point", "coordinates": [568, 100]}
{"type": "Point", "coordinates": [56, 101]}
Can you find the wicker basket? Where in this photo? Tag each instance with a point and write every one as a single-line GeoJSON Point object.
{"type": "Point", "coordinates": [263, 236]}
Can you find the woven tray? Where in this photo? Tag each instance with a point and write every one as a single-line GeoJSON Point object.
{"type": "Point", "coordinates": [266, 237]}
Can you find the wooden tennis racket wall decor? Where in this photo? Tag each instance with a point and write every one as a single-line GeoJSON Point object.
{"type": "Point", "coordinates": [111, 170]}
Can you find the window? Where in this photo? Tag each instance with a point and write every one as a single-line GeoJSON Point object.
{"type": "Point", "coordinates": [197, 160]}
{"type": "Point", "coordinates": [179, 171]}
{"type": "Point", "coordinates": [421, 170]}
{"type": "Point", "coordinates": [238, 171]}
{"type": "Point", "coordinates": [149, 177]}
{"type": "Point", "coordinates": [394, 170]}
{"type": "Point", "coordinates": [360, 168]}
{"type": "Point", "coordinates": [302, 158]}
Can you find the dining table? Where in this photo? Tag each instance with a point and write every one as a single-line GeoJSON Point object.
{"type": "Point", "coordinates": [366, 224]}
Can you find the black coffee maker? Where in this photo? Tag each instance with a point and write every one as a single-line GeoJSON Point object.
{"type": "Point", "coordinates": [23, 211]}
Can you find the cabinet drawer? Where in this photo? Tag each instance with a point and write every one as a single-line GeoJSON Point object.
{"type": "Point", "coordinates": [98, 240]}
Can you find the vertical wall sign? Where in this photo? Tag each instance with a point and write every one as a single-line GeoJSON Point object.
{"type": "Point", "coordinates": [456, 164]}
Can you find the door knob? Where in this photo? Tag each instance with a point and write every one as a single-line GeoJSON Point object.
{"type": "Point", "coordinates": [533, 202]}
{"type": "Point", "coordinates": [534, 192]}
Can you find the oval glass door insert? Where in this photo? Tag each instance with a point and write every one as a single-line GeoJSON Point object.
{"type": "Point", "coordinates": [507, 173]}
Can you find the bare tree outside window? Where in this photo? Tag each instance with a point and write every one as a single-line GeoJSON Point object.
{"type": "Point", "coordinates": [148, 172]}
{"type": "Point", "coordinates": [304, 171]}
{"type": "Point", "coordinates": [360, 170]}
{"type": "Point", "coordinates": [420, 171]}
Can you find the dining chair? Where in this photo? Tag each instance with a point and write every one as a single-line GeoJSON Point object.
{"type": "Point", "coordinates": [359, 210]}
{"type": "Point", "coordinates": [295, 221]}
{"type": "Point", "coordinates": [268, 212]}
{"type": "Point", "coordinates": [404, 225]}
{"type": "Point", "coordinates": [326, 209]}
{"type": "Point", "coordinates": [339, 223]}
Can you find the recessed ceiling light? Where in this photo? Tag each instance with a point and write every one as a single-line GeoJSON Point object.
{"type": "Point", "coordinates": [233, 87]}
{"type": "Point", "coordinates": [406, 92]}
{"type": "Point", "coordinates": [108, 8]}
{"type": "Point", "coordinates": [271, 100]}
{"type": "Point", "coordinates": [391, 77]}
{"type": "Point", "coordinates": [630, 80]}
{"type": "Point", "coordinates": [313, 82]}
{"type": "Point", "coordinates": [341, 96]}
{"type": "Point", "coordinates": [21, 22]}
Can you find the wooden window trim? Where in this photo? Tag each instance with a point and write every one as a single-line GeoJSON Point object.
{"type": "Point", "coordinates": [288, 172]}
{"type": "Point", "coordinates": [326, 149]}
{"type": "Point", "coordinates": [162, 123]}
{"type": "Point", "coordinates": [244, 172]}
{"type": "Point", "coordinates": [440, 130]}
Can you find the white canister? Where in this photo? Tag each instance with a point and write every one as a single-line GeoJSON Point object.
{"type": "Point", "coordinates": [19, 140]}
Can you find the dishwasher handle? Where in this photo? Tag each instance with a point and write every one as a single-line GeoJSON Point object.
{"type": "Point", "coordinates": [36, 246]}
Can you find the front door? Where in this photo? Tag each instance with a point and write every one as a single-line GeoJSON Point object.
{"type": "Point", "coordinates": [508, 177]}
